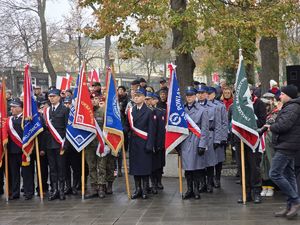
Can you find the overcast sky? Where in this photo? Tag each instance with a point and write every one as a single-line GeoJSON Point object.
{"type": "Point", "coordinates": [56, 9]}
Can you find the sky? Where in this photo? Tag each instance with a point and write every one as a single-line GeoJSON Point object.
{"type": "Point", "coordinates": [55, 9]}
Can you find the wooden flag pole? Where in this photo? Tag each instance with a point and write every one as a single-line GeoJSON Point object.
{"type": "Point", "coordinates": [126, 171]}
{"type": "Point", "coordinates": [6, 175]}
{"type": "Point", "coordinates": [37, 152]}
{"type": "Point", "coordinates": [82, 174]}
{"type": "Point", "coordinates": [243, 172]}
{"type": "Point", "coordinates": [180, 174]}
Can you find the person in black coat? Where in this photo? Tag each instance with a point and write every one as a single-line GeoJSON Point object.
{"type": "Point", "coordinates": [286, 140]}
{"type": "Point", "coordinates": [123, 101]}
{"type": "Point", "coordinates": [297, 170]}
{"type": "Point", "coordinates": [141, 126]}
{"type": "Point", "coordinates": [57, 119]}
{"type": "Point", "coordinates": [14, 148]}
{"type": "Point", "coordinates": [158, 159]}
{"type": "Point", "coordinates": [253, 159]}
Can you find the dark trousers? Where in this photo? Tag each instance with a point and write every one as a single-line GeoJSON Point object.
{"type": "Point", "coordinates": [282, 173]}
{"type": "Point", "coordinates": [2, 172]}
{"type": "Point", "coordinates": [57, 167]}
{"type": "Point", "coordinates": [73, 161]}
{"type": "Point", "coordinates": [252, 168]}
{"type": "Point", "coordinates": [297, 170]}
{"type": "Point", "coordinates": [28, 179]}
{"type": "Point", "coordinates": [14, 166]}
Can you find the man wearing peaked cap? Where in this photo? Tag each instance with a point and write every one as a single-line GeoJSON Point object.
{"type": "Point", "coordinates": [149, 96]}
{"type": "Point", "coordinates": [193, 148]}
{"type": "Point", "coordinates": [221, 132]}
{"type": "Point", "coordinates": [140, 124]}
{"type": "Point", "coordinates": [56, 117]}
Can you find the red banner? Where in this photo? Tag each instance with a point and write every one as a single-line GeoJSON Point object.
{"type": "Point", "coordinates": [84, 114]}
{"type": "Point", "coordinates": [3, 119]}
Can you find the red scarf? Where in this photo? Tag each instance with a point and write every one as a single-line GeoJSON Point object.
{"type": "Point", "coordinates": [227, 103]}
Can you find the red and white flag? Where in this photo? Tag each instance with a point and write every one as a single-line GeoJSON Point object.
{"type": "Point", "coordinates": [84, 114]}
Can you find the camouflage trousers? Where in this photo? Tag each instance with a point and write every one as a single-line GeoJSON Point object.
{"type": "Point", "coordinates": [101, 169]}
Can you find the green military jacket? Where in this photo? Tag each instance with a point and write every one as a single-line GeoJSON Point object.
{"type": "Point", "coordinates": [99, 116]}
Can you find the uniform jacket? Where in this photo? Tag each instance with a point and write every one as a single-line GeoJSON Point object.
{"type": "Point", "coordinates": [11, 146]}
{"type": "Point", "coordinates": [286, 129]}
{"type": "Point", "coordinates": [189, 147]}
{"type": "Point", "coordinates": [158, 158]}
{"type": "Point", "coordinates": [59, 120]}
{"type": "Point", "coordinates": [140, 150]}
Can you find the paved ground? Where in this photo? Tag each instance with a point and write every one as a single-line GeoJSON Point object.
{"type": "Point", "coordinates": [167, 208]}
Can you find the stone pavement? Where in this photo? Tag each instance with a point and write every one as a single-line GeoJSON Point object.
{"type": "Point", "coordinates": [167, 208]}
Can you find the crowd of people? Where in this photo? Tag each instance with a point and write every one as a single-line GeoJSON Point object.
{"type": "Point", "coordinates": [143, 114]}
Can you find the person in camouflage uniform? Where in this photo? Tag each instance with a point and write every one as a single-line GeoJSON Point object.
{"type": "Point", "coordinates": [101, 168]}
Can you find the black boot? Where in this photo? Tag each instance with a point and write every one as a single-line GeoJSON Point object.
{"type": "Point", "coordinates": [248, 197]}
{"type": "Point", "coordinates": [154, 184]}
{"type": "Point", "coordinates": [196, 189]}
{"type": "Point", "coordinates": [189, 181]}
{"type": "Point", "coordinates": [120, 165]}
{"type": "Point", "coordinates": [75, 186]}
{"type": "Point", "coordinates": [138, 189]}
{"type": "Point", "coordinates": [93, 193]}
{"type": "Point", "coordinates": [62, 191]}
{"type": "Point", "coordinates": [256, 195]}
{"type": "Point", "coordinates": [145, 188]}
{"type": "Point", "coordinates": [101, 191]}
{"type": "Point", "coordinates": [217, 180]}
{"type": "Point", "coordinates": [210, 184]}
{"type": "Point", "coordinates": [68, 189]}
{"type": "Point", "coordinates": [159, 184]}
{"type": "Point", "coordinates": [54, 194]}
{"type": "Point", "coordinates": [109, 190]}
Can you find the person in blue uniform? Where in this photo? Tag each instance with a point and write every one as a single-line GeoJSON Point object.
{"type": "Point", "coordinates": [141, 126]}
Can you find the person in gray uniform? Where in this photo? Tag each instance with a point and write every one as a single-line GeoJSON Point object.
{"type": "Point", "coordinates": [221, 134]}
{"type": "Point", "coordinates": [193, 148]}
{"type": "Point", "coordinates": [210, 159]}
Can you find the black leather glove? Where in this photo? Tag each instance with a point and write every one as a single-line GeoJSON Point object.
{"type": "Point", "coordinates": [178, 150]}
{"type": "Point", "coordinates": [262, 130]}
{"type": "Point", "coordinates": [201, 151]}
{"type": "Point", "coordinates": [224, 143]}
{"type": "Point", "coordinates": [216, 145]}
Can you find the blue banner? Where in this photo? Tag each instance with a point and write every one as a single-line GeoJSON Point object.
{"type": "Point", "coordinates": [176, 114]}
{"type": "Point", "coordinates": [32, 126]}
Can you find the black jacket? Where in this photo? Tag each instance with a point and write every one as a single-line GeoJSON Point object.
{"type": "Point", "coordinates": [261, 112]}
{"type": "Point", "coordinates": [286, 129]}
{"type": "Point", "coordinates": [59, 120]}
{"type": "Point", "coordinates": [11, 146]}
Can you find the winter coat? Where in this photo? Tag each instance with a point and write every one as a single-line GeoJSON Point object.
{"type": "Point", "coordinates": [141, 150]}
{"type": "Point", "coordinates": [286, 129]}
{"type": "Point", "coordinates": [189, 147]}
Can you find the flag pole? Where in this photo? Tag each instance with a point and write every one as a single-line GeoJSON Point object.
{"type": "Point", "coordinates": [37, 152]}
{"type": "Point", "coordinates": [6, 174]}
{"type": "Point", "coordinates": [180, 174]}
{"type": "Point", "coordinates": [243, 172]}
{"type": "Point", "coordinates": [82, 174]}
{"type": "Point", "coordinates": [126, 171]}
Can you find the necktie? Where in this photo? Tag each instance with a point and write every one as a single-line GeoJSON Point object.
{"type": "Point", "coordinates": [53, 109]}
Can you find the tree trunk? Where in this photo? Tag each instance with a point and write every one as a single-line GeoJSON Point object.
{"type": "Point", "coordinates": [269, 61]}
{"type": "Point", "coordinates": [250, 73]}
{"type": "Point", "coordinates": [47, 61]}
{"type": "Point", "coordinates": [184, 61]}
{"type": "Point", "coordinates": [106, 53]}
